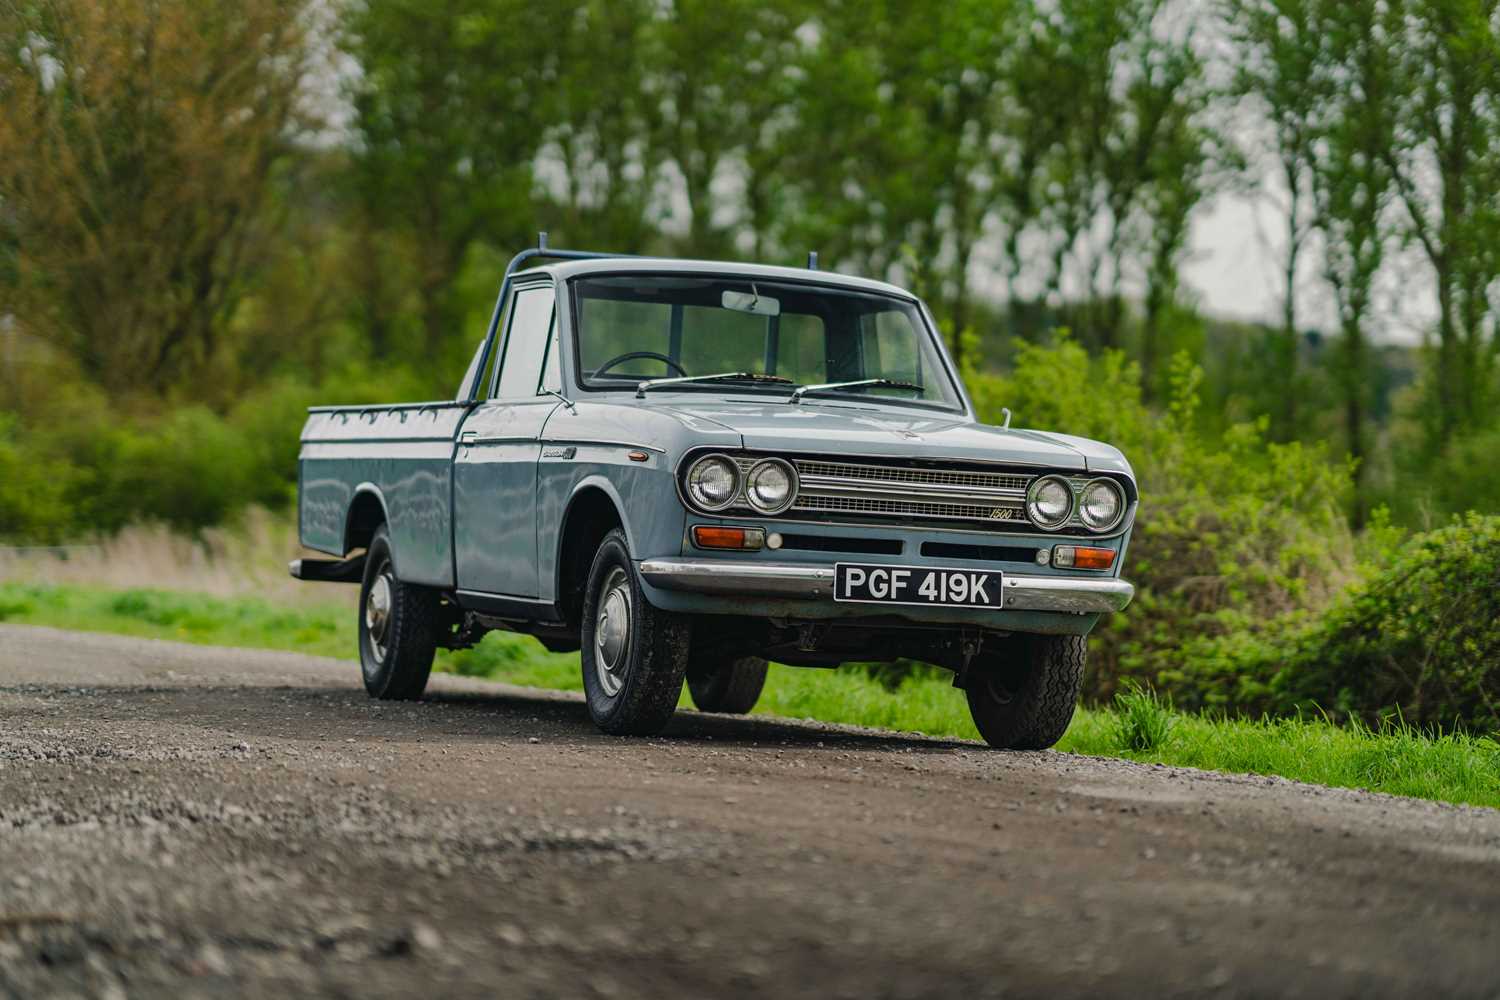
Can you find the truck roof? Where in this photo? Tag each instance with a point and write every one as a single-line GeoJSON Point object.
{"type": "Point", "coordinates": [673, 265]}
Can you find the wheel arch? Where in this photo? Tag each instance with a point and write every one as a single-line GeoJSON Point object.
{"type": "Point", "coordinates": [594, 509]}
{"type": "Point", "coordinates": [367, 512]}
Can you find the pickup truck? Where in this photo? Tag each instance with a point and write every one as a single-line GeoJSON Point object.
{"type": "Point", "coordinates": [684, 469]}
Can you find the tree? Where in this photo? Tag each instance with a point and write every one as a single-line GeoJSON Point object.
{"type": "Point", "coordinates": [599, 131]}
{"type": "Point", "coordinates": [1171, 98]}
{"type": "Point", "coordinates": [900, 140]}
{"type": "Point", "coordinates": [1131, 141]}
{"type": "Point", "coordinates": [1352, 188]}
{"type": "Point", "coordinates": [1445, 157]}
{"type": "Point", "coordinates": [711, 63]}
{"type": "Point", "coordinates": [138, 145]}
{"type": "Point", "coordinates": [450, 114]}
{"type": "Point", "coordinates": [1277, 61]}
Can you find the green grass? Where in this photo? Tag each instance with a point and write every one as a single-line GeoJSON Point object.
{"type": "Point", "coordinates": [1396, 759]}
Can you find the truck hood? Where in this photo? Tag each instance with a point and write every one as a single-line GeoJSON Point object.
{"type": "Point", "coordinates": [884, 433]}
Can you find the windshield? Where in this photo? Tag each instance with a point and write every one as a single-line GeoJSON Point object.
{"type": "Point", "coordinates": [637, 327]}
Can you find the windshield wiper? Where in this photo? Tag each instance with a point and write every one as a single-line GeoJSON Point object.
{"type": "Point", "coordinates": [864, 383]}
{"type": "Point", "coordinates": [640, 390]}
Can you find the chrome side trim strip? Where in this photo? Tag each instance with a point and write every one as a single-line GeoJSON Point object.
{"type": "Point", "coordinates": [761, 579]}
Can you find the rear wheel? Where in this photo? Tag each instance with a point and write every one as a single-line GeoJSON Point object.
{"type": "Point", "coordinates": [732, 687]}
{"type": "Point", "coordinates": [397, 627]}
{"type": "Point", "coordinates": [634, 655]}
{"type": "Point", "coordinates": [1022, 697]}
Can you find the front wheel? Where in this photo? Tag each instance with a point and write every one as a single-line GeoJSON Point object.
{"type": "Point", "coordinates": [634, 655]}
{"type": "Point", "coordinates": [397, 627]}
{"type": "Point", "coordinates": [1022, 697]}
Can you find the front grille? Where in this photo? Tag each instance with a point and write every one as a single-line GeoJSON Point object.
{"type": "Point", "coordinates": [989, 501]}
{"type": "Point", "coordinates": [907, 508]}
{"type": "Point", "coordinates": [889, 474]}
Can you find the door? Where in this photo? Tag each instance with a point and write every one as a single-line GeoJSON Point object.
{"type": "Point", "coordinates": [494, 469]}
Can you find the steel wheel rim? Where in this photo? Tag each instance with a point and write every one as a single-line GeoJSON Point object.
{"type": "Point", "coordinates": [613, 621]}
{"type": "Point", "coordinates": [378, 613]}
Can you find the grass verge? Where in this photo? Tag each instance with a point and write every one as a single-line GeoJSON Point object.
{"type": "Point", "coordinates": [1396, 759]}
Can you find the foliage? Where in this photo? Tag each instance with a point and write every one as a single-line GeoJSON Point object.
{"type": "Point", "coordinates": [1234, 529]}
{"type": "Point", "coordinates": [1419, 640]}
{"type": "Point", "coordinates": [33, 491]}
{"type": "Point", "coordinates": [138, 147]}
{"type": "Point", "coordinates": [1445, 157]}
{"type": "Point", "coordinates": [1144, 720]}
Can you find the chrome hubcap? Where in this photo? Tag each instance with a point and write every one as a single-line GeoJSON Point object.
{"type": "Point", "coordinates": [612, 623]}
{"type": "Point", "coordinates": [378, 614]}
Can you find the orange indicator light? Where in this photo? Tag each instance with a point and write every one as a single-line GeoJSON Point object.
{"type": "Point", "coordinates": [1082, 557]}
{"type": "Point", "coordinates": [712, 536]}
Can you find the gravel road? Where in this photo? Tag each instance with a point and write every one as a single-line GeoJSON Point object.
{"type": "Point", "coordinates": [189, 821]}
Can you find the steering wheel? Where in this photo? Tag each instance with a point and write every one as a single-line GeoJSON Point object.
{"type": "Point", "coordinates": [635, 356]}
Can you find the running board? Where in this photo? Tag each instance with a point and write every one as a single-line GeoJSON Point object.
{"type": "Point", "coordinates": [351, 570]}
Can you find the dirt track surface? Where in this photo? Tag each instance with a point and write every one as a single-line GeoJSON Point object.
{"type": "Point", "coordinates": [189, 821]}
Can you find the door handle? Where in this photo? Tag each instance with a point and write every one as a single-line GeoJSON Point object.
{"type": "Point", "coordinates": [466, 439]}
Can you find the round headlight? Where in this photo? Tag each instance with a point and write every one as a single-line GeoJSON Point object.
{"type": "Point", "coordinates": [1049, 502]}
{"type": "Point", "coordinates": [713, 482]}
{"type": "Point", "coordinates": [1101, 505]}
{"type": "Point", "coordinates": [771, 486]}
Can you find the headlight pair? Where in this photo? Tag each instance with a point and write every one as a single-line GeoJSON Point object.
{"type": "Point", "coordinates": [714, 482]}
{"type": "Point", "coordinates": [1051, 504]}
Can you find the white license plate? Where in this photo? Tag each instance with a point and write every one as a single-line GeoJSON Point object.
{"type": "Point", "coordinates": [949, 588]}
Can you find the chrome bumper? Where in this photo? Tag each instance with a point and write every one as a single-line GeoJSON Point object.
{"type": "Point", "coordinates": [795, 580]}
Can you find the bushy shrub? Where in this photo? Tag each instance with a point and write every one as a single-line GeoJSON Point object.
{"type": "Point", "coordinates": [191, 469]}
{"type": "Point", "coordinates": [34, 488]}
{"type": "Point", "coordinates": [1419, 639]}
{"type": "Point", "coordinates": [81, 465]}
{"type": "Point", "coordinates": [1233, 530]}
{"type": "Point", "coordinates": [1464, 476]}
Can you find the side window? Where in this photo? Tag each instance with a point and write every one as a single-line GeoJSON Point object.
{"type": "Point", "coordinates": [525, 340]}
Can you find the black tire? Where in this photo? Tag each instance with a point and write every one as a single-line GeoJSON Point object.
{"type": "Point", "coordinates": [398, 625]}
{"type": "Point", "coordinates": [1023, 696]}
{"type": "Point", "coordinates": [732, 688]}
{"type": "Point", "coordinates": [634, 655]}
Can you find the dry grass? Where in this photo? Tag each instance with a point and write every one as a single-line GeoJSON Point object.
{"type": "Point", "coordinates": [246, 559]}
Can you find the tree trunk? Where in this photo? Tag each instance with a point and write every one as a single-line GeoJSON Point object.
{"type": "Point", "coordinates": [1354, 416]}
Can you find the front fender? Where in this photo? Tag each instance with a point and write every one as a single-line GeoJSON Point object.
{"type": "Point", "coordinates": [643, 494]}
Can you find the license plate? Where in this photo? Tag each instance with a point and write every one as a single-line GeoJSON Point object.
{"type": "Point", "coordinates": [951, 588]}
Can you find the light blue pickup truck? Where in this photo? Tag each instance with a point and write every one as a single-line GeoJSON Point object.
{"type": "Point", "coordinates": [685, 469]}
